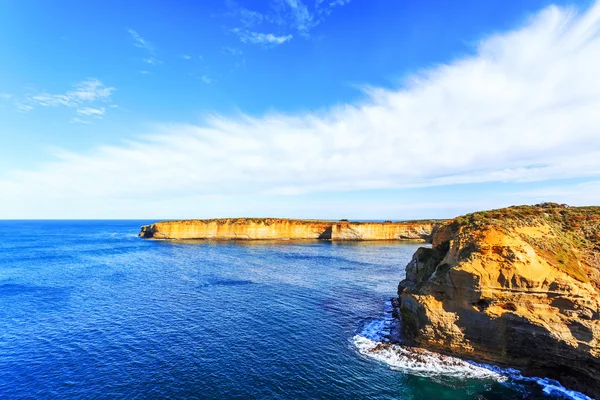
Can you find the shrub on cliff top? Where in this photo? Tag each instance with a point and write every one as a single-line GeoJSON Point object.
{"type": "Point", "coordinates": [575, 233]}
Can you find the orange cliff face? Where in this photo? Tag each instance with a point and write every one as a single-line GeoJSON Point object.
{"type": "Point", "coordinates": [283, 229]}
{"type": "Point", "coordinates": [412, 230]}
{"type": "Point", "coordinates": [518, 286]}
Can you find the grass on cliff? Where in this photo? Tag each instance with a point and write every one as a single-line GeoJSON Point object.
{"type": "Point", "coordinates": [270, 221]}
{"type": "Point", "coordinates": [575, 238]}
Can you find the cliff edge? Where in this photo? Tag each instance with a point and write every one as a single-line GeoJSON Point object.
{"type": "Point", "coordinates": [278, 228]}
{"type": "Point", "coordinates": [518, 286]}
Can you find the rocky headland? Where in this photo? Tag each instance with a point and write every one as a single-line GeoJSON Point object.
{"type": "Point", "coordinates": [289, 229]}
{"type": "Point", "coordinates": [518, 287]}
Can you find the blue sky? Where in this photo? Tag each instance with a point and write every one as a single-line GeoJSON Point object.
{"type": "Point", "coordinates": [296, 108]}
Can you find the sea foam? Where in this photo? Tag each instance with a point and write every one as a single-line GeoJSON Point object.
{"type": "Point", "coordinates": [381, 339]}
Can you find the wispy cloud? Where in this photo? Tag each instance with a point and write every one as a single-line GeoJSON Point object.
{"type": "Point", "coordinates": [523, 108]}
{"type": "Point", "coordinates": [23, 108]}
{"type": "Point", "coordinates": [186, 57]}
{"type": "Point", "coordinates": [327, 6]}
{"type": "Point", "coordinates": [84, 93]}
{"type": "Point", "coordinates": [299, 15]}
{"type": "Point", "coordinates": [206, 79]}
{"type": "Point", "coordinates": [247, 17]}
{"type": "Point", "coordinates": [5, 96]}
{"type": "Point", "coordinates": [149, 48]}
{"type": "Point", "coordinates": [285, 15]}
{"type": "Point", "coordinates": [232, 51]}
{"type": "Point", "coordinates": [91, 90]}
{"type": "Point", "coordinates": [140, 42]}
{"type": "Point", "coordinates": [76, 120]}
{"type": "Point", "coordinates": [261, 38]}
{"type": "Point", "coordinates": [151, 61]}
{"type": "Point", "coordinates": [92, 112]}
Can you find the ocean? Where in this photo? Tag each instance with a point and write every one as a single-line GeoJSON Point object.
{"type": "Point", "coordinates": [89, 310]}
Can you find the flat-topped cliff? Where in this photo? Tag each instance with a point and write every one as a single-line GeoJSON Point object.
{"type": "Point", "coordinates": [518, 286]}
{"type": "Point", "coordinates": [278, 228]}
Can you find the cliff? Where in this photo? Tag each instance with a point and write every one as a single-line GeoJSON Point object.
{"type": "Point", "coordinates": [275, 228]}
{"type": "Point", "coordinates": [518, 287]}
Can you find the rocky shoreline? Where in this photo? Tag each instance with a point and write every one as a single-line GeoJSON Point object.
{"type": "Point", "coordinates": [517, 287]}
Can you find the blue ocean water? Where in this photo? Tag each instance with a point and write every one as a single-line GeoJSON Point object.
{"type": "Point", "coordinates": [89, 310]}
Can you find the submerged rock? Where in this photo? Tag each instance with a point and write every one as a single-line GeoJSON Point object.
{"type": "Point", "coordinates": [518, 286]}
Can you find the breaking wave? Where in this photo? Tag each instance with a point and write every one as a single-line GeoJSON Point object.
{"type": "Point", "coordinates": [381, 339]}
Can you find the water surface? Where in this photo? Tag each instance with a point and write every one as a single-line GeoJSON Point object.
{"type": "Point", "coordinates": [88, 310]}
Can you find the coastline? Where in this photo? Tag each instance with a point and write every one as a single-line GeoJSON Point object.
{"type": "Point", "coordinates": [290, 229]}
{"type": "Point", "coordinates": [382, 339]}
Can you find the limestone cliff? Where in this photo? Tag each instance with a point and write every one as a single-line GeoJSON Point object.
{"type": "Point", "coordinates": [276, 228]}
{"type": "Point", "coordinates": [518, 286]}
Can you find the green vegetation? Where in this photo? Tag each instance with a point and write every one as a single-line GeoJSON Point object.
{"type": "Point", "coordinates": [570, 218]}
{"type": "Point", "coordinates": [574, 236]}
{"type": "Point", "coordinates": [268, 221]}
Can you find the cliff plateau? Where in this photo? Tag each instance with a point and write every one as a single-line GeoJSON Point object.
{"type": "Point", "coordinates": [277, 228]}
{"type": "Point", "coordinates": [518, 286]}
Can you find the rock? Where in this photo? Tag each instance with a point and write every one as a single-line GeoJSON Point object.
{"type": "Point", "coordinates": [518, 287]}
{"type": "Point", "coordinates": [277, 228]}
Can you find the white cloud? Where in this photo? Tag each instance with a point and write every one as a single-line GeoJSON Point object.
{"type": "Point", "coordinates": [23, 107]}
{"type": "Point", "coordinates": [151, 61]}
{"type": "Point", "coordinates": [149, 48]}
{"type": "Point", "coordinates": [523, 108]}
{"type": "Point", "coordinates": [76, 120]}
{"type": "Point", "coordinates": [290, 15]}
{"type": "Point", "coordinates": [206, 79]}
{"type": "Point", "coordinates": [247, 17]}
{"type": "Point", "coordinates": [261, 38]}
{"type": "Point", "coordinates": [93, 112]}
{"type": "Point", "coordinates": [325, 6]}
{"type": "Point", "coordinates": [91, 90]}
{"type": "Point", "coordinates": [301, 18]}
{"type": "Point", "coordinates": [186, 57]}
{"type": "Point", "coordinates": [140, 42]}
{"type": "Point", "coordinates": [87, 92]}
{"type": "Point", "coordinates": [5, 96]}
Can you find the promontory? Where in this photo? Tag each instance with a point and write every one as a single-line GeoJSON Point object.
{"type": "Point", "coordinates": [518, 286]}
{"type": "Point", "coordinates": [288, 229]}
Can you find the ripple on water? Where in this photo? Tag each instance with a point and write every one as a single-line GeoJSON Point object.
{"type": "Point", "coordinates": [88, 310]}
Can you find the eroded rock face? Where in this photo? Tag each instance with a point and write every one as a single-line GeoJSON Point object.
{"type": "Point", "coordinates": [275, 228]}
{"type": "Point", "coordinates": [516, 286]}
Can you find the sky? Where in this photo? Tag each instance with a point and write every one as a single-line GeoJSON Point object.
{"type": "Point", "coordinates": [378, 109]}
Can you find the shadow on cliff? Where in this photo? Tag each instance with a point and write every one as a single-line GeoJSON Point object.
{"type": "Point", "coordinates": [513, 341]}
{"type": "Point", "coordinates": [326, 235]}
{"type": "Point", "coordinates": [509, 340]}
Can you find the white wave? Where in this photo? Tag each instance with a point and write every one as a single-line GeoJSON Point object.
{"type": "Point", "coordinates": [418, 361]}
{"type": "Point", "coordinates": [549, 386]}
{"type": "Point", "coordinates": [380, 339]}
